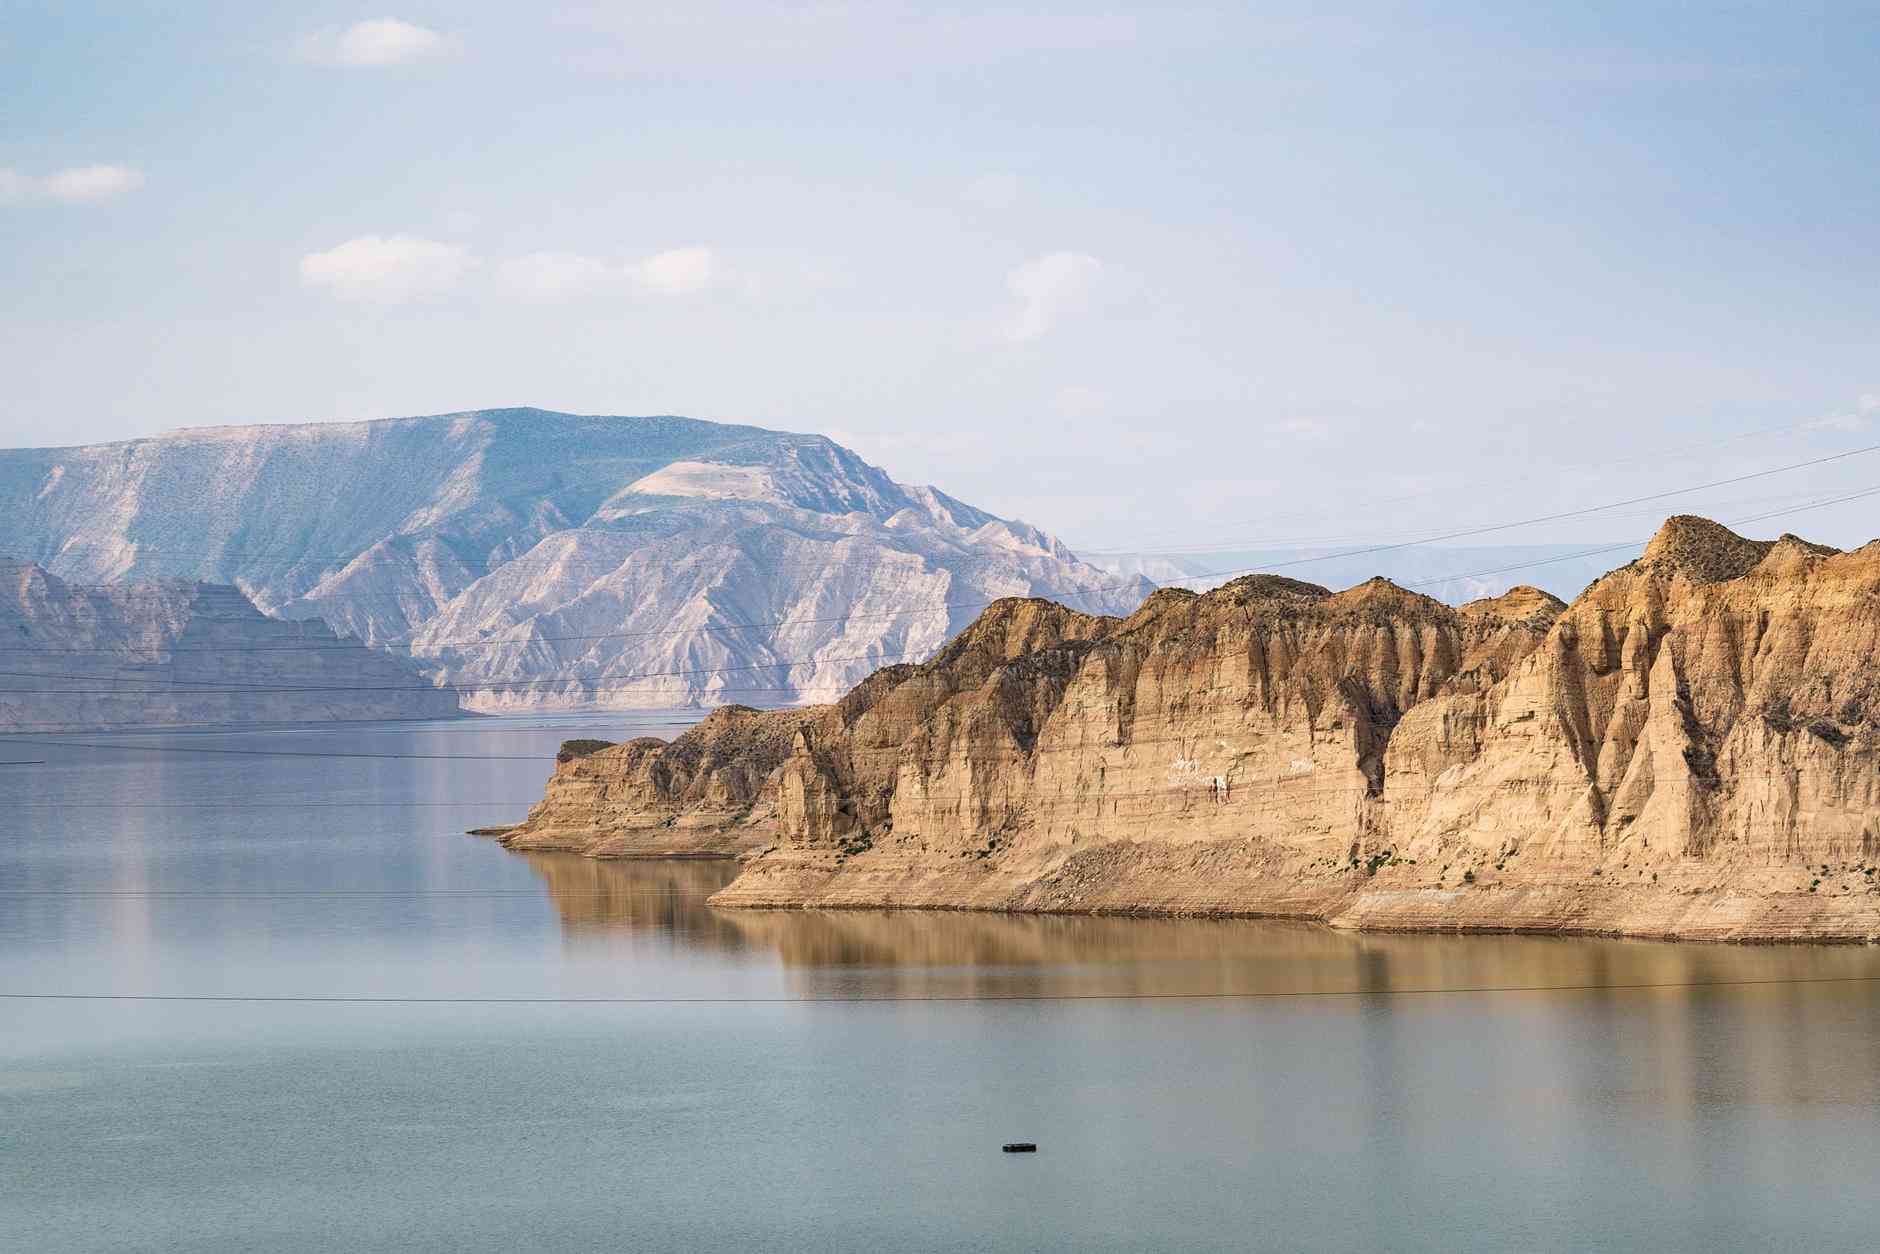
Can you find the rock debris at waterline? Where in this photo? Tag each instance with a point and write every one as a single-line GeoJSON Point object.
{"type": "Point", "coordinates": [1688, 750]}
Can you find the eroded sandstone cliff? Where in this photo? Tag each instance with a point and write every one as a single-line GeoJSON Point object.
{"type": "Point", "coordinates": [1686, 750]}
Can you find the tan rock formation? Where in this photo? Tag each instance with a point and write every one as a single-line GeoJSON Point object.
{"type": "Point", "coordinates": [1687, 750]}
{"type": "Point", "coordinates": [711, 793]}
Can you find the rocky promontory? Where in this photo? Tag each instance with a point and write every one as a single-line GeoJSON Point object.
{"type": "Point", "coordinates": [1687, 750]}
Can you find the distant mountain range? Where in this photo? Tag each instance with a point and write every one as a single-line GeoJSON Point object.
{"type": "Point", "coordinates": [539, 559]}
{"type": "Point", "coordinates": [1452, 574]}
{"type": "Point", "coordinates": [172, 652]}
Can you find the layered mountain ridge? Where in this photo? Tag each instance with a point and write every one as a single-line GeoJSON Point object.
{"type": "Point", "coordinates": [1688, 749]}
{"type": "Point", "coordinates": [537, 559]}
{"type": "Point", "coordinates": [175, 653]}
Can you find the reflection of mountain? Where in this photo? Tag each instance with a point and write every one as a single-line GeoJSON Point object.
{"type": "Point", "coordinates": [922, 953]}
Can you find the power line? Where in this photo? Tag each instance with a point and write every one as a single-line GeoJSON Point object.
{"type": "Point", "coordinates": [1338, 545]}
{"type": "Point", "coordinates": [283, 551]}
{"type": "Point", "coordinates": [1247, 794]}
{"type": "Point", "coordinates": [1194, 789]}
{"type": "Point", "coordinates": [600, 683]}
{"type": "Point", "coordinates": [616, 680]}
{"type": "Point", "coordinates": [684, 720]}
{"type": "Point", "coordinates": [488, 685]}
{"type": "Point", "coordinates": [602, 568]}
{"type": "Point", "coordinates": [1485, 529]}
{"type": "Point", "coordinates": [366, 894]}
{"type": "Point", "coordinates": [1553, 473]}
{"type": "Point", "coordinates": [1615, 548]}
{"type": "Point", "coordinates": [1471, 989]}
{"type": "Point", "coordinates": [284, 804]}
{"type": "Point", "coordinates": [805, 712]}
{"type": "Point", "coordinates": [1572, 513]}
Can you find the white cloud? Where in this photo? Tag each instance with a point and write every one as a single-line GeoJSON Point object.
{"type": "Point", "coordinates": [386, 269]}
{"type": "Point", "coordinates": [1856, 419]}
{"type": "Point", "coordinates": [675, 272]}
{"type": "Point", "coordinates": [1048, 288]}
{"type": "Point", "coordinates": [1839, 422]}
{"type": "Point", "coordinates": [548, 274]}
{"type": "Point", "coordinates": [375, 42]}
{"type": "Point", "coordinates": [88, 183]}
{"type": "Point", "coordinates": [84, 184]}
{"type": "Point", "coordinates": [678, 271]}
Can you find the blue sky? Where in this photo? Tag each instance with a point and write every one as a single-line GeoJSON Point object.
{"type": "Point", "coordinates": [1146, 276]}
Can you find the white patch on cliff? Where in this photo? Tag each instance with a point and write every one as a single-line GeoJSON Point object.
{"type": "Point", "coordinates": [711, 482]}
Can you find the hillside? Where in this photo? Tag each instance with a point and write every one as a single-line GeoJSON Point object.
{"type": "Point", "coordinates": [170, 652]}
{"type": "Point", "coordinates": [543, 559]}
{"type": "Point", "coordinates": [1687, 750]}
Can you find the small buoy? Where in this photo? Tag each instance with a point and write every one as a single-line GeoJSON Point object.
{"type": "Point", "coordinates": [1020, 1147]}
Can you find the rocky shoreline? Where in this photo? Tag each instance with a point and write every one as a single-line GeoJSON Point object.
{"type": "Point", "coordinates": [1685, 752]}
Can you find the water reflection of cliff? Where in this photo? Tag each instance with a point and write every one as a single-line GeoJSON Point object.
{"type": "Point", "coordinates": [946, 953]}
{"type": "Point", "coordinates": [660, 896]}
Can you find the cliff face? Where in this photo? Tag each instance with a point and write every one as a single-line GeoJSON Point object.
{"type": "Point", "coordinates": [170, 652]}
{"type": "Point", "coordinates": [1686, 750]}
{"type": "Point", "coordinates": [719, 789]}
{"type": "Point", "coordinates": [1701, 725]}
{"type": "Point", "coordinates": [710, 793]}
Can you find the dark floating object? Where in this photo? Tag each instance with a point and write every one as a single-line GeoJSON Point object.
{"type": "Point", "coordinates": [1020, 1147]}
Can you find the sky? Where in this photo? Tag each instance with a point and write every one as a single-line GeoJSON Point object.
{"type": "Point", "coordinates": [1152, 277]}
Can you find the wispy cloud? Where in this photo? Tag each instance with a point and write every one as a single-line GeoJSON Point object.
{"type": "Point", "coordinates": [386, 269]}
{"type": "Point", "coordinates": [1049, 288]}
{"type": "Point", "coordinates": [1840, 422]}
{"type": "Point", "coordinates": [1859, 418]}
{"type": "Point", "coordinates": [77, 185]}
{"type": "Point", "coordinates": [674, 272]}
{"type": "Point", "coordinates": [679, 271]}
{"type": "Point", "coordinates": [546, 275]}
{"type": "Point", "coordinates": [375, 42]}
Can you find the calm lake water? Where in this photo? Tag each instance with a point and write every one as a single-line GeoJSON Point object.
{"type": "Point", "coordinates": [836, 1081]}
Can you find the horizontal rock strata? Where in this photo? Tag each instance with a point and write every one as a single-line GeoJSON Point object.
{"type": "Point", "coordinates": [1685, 751]}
